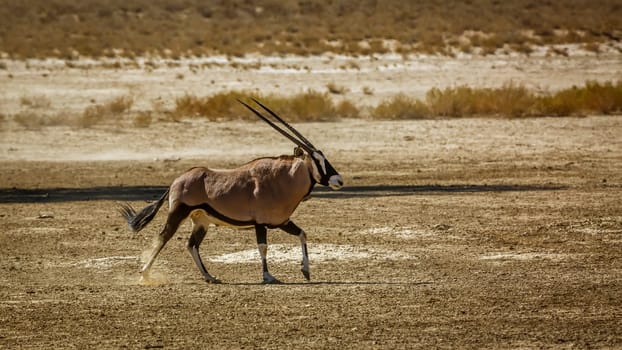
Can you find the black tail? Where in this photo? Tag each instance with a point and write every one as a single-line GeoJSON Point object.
{"type": "Point", "coordinates": [137, 221]}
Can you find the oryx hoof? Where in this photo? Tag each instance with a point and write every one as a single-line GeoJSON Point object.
{"type": "Point", "coordinates": [306, 274]}
{"type": "Point", "coordinates": [271, 280]}
{"type": "Point", "coordinates": [213, 280]}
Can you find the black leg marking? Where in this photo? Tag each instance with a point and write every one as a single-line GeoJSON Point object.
{"type": "Point", "coordinates": [198, 233]}
{"type": "Point", "coordinates": [262, 234]}
{"type": "Point", "coordinates": [291, 228]}
{"type": "Point", "coordinates": [262, 244]}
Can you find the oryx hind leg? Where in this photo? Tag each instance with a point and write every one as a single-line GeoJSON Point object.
{"type": "Point", "coordinates": [293, 229]}
{"type": "Point", "coordinates": [199, 229]}
{"type": "Point", "coordinates": [174, 219]}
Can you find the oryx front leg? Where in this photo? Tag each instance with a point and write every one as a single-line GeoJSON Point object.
{"type": "Point", "coordinates": [293, 229]}
{"type": "Point", "coordinates": [197, 236]}
{"type": "Point", "coordinates": [262, 244]}
{"type": "Point", "coordinates": [305, 256]}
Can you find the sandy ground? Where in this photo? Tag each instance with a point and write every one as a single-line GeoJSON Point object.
{"type": "Point", "coordinates": [474, 233]}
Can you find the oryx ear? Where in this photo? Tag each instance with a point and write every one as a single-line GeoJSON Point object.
{"type": "Point", "coordinates": [298, 152]}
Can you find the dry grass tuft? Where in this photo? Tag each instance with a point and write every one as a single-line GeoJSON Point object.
{"type": "Point", "coordinates": [111, 110]}
{"type": "Point", "coordinates": [346, 109]}
{"type": "Point", "coordinates": [308, 106]}
{"type": "Point", "coordinates": [119, 105]}
{"type": "Point", "coordinates": [593, 97]}
{"type": "Point", "coordinates": [29, 120]}
{"type": "Point", "coordinates": [401, 107]}
{"type": "Point", "coordinates": [311, 106]}
{"type": "Point", "coordinates": [36, 101]}
{"type": "Point", "coordinates": [142, 119]}
{"type": "Point", "coordinates": [510, 100]}
{"type": "Point", "coordinates": [222, 105]}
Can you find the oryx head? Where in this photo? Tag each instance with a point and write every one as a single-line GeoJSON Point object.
{"type": "Point", "coordinates": [322, 171]}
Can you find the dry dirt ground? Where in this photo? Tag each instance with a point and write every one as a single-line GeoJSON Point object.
{"type": "Point", "coordinates": [475, 233]}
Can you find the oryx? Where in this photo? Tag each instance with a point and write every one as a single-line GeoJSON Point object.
{"type": "Point", "coordinates": [262, 193]}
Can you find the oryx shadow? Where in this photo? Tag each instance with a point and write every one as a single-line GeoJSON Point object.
{"type": "Point", "coordinates": [409, 190]}
{"type": "Point", "coordinates": [55, 195]}
{"type": "Point", "coordinates": [148, 193]}
{"type": "Point", "coordinates": [330, 283]}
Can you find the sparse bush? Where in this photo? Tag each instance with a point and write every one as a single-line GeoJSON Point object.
{"type": "Point", "coordinates": [91, 115]}
{"type": "Point", "coordinates": [453, 102]}
{"type": "Point", "coordinates": [222, 105]}
{"type": "Point", "coordinates": [119, 105]}
{"type": "Point", "coordinates": [401, 107]}
{"type": "Point", "coordinates": [29, 120]}
{"type": "Point", "coordinates": [605, 98]}
{"type": "Point", "coordinates": [510, 101]}
{"type": "Point", "coordinates": [594, 97]}
{"type": "Point", "coordinates": [142, 119]}
{"type": "Point", "coordinates": [98, 113]}
{"type": "Point", "coordinates": [513, 100]}
{"type": "Point", "coordinates": [311, 106]}
{"type": "Point", "coordinates": [308, 106]}
{"type": "Point", "coordinates": [37, 101]}
{"type": "Point", "coordinates": [347, 109]}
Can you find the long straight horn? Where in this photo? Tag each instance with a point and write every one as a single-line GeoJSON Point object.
{"type": "Point", "coordinates": [276, 127]}
{"type": "Point", "coordinates": [291, 128]}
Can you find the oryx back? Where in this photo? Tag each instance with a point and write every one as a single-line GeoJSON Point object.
{"type": "Point", "coordinates": [263, 191]}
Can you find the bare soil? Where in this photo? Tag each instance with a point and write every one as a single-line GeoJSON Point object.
{"type": "Point", "coordinates": [474, 233]}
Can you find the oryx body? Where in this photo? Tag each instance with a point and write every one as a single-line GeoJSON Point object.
{"type": "Point", "coordinates": [262, 193]}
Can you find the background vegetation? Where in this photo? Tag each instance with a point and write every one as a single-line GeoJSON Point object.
{"type": "Point", "coordinates": [67, 28]}
{"type": "Point", "coordinates": [510, 100]}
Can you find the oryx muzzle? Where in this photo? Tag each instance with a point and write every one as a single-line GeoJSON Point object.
{"type": "Point", "coordinates": [262, 193]}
